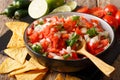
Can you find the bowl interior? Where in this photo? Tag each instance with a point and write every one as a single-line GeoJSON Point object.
{"type": "Point", "coordinates": [104, 25]}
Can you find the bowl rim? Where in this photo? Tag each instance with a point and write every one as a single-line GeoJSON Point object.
{"type": "Point", "coordinates": [72, 13]}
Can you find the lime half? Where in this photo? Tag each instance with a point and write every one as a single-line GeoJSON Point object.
{"type": "Point", "coordinates": [63, 8]}
{"type": "Point", "coordinates": [72, 4]}
{"type": "Point", "coordinates": [38, 8]}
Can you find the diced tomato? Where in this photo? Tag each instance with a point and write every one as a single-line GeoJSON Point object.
{"type": "Point", "coordinates": [50, 56]}
{"type": "Point", "coordinates": [61, 44]}
{"type": "Point", "coordinates": [41, 35]}
{"type": "Point", "coordinates": [89, 48]}
{"type": "Point", "coordinates": [65, 36]}
{"type": "Point", "coordinates": [100, 29]}
{"type": "Point", "coordinates": [54, 50]}
{"type": "Point", "coordinates": [98, 50]}
{"type": "Point", "coordinates": [105, 42]}
{"type": "Point", "coordinates": [69, 25]}
{"type": "Point", "coordinates": [47, 30]}
{"type": "Point", "coordinates": [94, 22]}
{"type": "Point", "coordinates": [55, 40]}
{"type": "Point", "coordinates": [29, 31]}
{"type": "Point", "coordinates": [93, 47]}
{"type": "Point", "coordinates": [78, 31]}
{"type": "Point", "coordinates": [89, 25]}
{"type": "Point", "coordinates": [34, 37]}
{"type": "Point", "coordinates": [74, 55]}
{"type": "Point", "coordinates": [45, 45]}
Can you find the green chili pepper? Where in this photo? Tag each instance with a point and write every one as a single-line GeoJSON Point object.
{"type": "Point", "coordinates": [21, 3]}
{"type": "Point", "coordinates": [36, 48]}
{"type": "Point", "coordinates": [9, 11]}
{"type": "Point", "coordinates": [20, 13]}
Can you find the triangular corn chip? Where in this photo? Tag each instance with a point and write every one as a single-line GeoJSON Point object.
{"type": "Point", "coordinates": [31, 75]}
{"type": "Point", "coordinates": [10, 65]}
{"type": "Point", "coordinates": [34, 62]}
{"type": "Point", "coordinates": [59, 77]}
{"type": "Point", "coordinates": [19, 54]}
{"type": "Point", "coordinates": [28, 66]}
{"type": "Point", "coordinates": [17, 27]}
{"type": "Point", "coordinates": [16, 41]}
{"type": "Point", "coordinates": [68, 77]}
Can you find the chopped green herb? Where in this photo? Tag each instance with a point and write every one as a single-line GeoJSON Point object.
{"type": "Point", "coordinates": [66, 56]}
{"type": "Point", "coordinates": [72, 40]}
{"type": "Point", "coordinates": [92, 32]}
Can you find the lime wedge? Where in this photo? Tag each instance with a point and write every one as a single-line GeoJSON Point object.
{"type": "Point", "coordinates": [38, 8]}
{"type": "Point", "coordinates": [52, 4]}
{"type": "Point", "coordinates": [72, 4]}
{"type": "Point", "coordinates": [63, 8]}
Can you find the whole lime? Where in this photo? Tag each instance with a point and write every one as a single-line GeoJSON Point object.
{"type": "Point", "coordinates": [52, 4]}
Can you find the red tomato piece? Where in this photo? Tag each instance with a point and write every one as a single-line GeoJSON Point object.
{"type": "Point", "coordinates": [97, 11]}
{"type": "Point", "coordinates": [105, 42]}
{"type": "Point", "coordinates": [111, 20]}
{"type": "Point", "coordinates": [69, 25]}
{"type": "Point", "coordinates": [89, 25]}
{"type": "Point", "coordinates": [74, 55]}
{"type": "Point", "coordinates": [29, 31]}
{"type": "Point", "coordinates": [83, 9]}
{"type": "Point", "coordinates": [110, 9]}
{"type": "Point", "coordinates": [98, 50]}
{"type": "Point", "coordinates": [117, 16]}
{"type": "Point", "coordinates": [78, 31]}
{"type": "Point", "coordinates": [65, 36]}
{"type": "Point", "coordinates": [34, 37]}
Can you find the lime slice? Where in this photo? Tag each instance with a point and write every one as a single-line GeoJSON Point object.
{"type": "Point", "coordinates": [63, 8]}
{"type": "Point", "coordinates": [72, 4]}
{"type": "Point", "coordinates": [38, 8]}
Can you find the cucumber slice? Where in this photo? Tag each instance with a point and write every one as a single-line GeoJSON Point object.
{"type": "Point", "coordinates": [72, 4]}
{"type": "Point", "coordinates": [38, 8]}
{"type": "Point", "coordinates": [63, 8]}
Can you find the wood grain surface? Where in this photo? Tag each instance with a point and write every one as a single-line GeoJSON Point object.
{"type": "Point", "coordinates": [52, 75]}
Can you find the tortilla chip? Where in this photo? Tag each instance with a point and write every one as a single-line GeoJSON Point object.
{"type": "Point", "coordinates": [68, 77]}
{"type": "Point", "coordinates": [59, 77]}
{"type": "Point", "coordinates": [16, 41]}
{"type": "Point", "coordinates": [10, 65]}
{"type": "Point", "coordinates": [17, 27]}
{"type": "Point", "coordinates": [37, 64]}
{"type": "Point", "coordinates": [28, 66]}
{"type": "Point", "coordinates": [19, 54]}
{"type": "Point", "coordinates": [31, 75]}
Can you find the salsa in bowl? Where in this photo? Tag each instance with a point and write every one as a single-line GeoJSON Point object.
{"type": "Point", "coordinates": [54, 39]}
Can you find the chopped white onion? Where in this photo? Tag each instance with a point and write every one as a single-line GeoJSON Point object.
{"type": "Point", "coordinates": [83, 30]}
{"type": "Point", "coordinates": [94, 40]}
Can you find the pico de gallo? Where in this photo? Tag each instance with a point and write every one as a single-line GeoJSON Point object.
{"type": "Point", "coordinates": [59, 37]}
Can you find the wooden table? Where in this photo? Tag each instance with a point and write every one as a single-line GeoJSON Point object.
{"type": "Point", "coordinates": [91, 73]}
